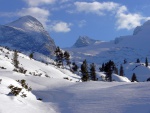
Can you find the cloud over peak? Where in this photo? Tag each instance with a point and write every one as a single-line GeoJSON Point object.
{"type": "Point", "coordinates": [95, 7]}
{"type": "Point", "coordinates": [39, 13]}
{"type": "Point", "coordinates": [124, 19]}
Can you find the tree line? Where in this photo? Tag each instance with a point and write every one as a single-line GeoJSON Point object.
{"type": "Point", "coordinates": [88, 72]}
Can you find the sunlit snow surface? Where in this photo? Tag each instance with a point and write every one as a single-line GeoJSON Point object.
{"type": "Point", "coordinates": [68, 96]}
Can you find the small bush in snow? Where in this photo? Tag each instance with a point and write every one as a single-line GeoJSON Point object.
{"type": "Point", "coordinates": [23, 95]}
{"type": "Point", "coordinates": [66, 78]}
{"type": "Point", "coordinates": [2, 68]}
{"type": "Point", "coordinates": [39, 99]}
{"type": "Point", "coordinates": [14, 90]}
{"type": "Point", "coordinates": [20, 70]}
{"type": "Point", "coordinates": [24, 84]}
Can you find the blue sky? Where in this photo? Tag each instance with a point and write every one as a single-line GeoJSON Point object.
{"type": "Point", "coordinates": [66, 20]}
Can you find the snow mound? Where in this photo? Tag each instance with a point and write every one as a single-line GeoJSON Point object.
{"type": "Point", "coordinates": [120, 78]}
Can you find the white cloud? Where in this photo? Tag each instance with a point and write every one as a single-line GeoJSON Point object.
{"type": "Point", "coordinates": [61, 27]}
{"type": "Point", "coordinates": [125, 19]}
{"type": "Point", "coordinates": [41, 14]}
{"type": "Point", "coordinates": [39, 2]}
{"type": "Point", "coordinates": [95, 7]}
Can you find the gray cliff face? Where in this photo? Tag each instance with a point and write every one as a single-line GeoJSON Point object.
{"type": "Point", "coordinates": [27, 35]}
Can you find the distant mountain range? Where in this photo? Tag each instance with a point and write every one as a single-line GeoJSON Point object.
{"type": "Point", "coordinates": [125, 47]}
{"type": "Point", "coordinates": [84, 41]}
{"type": "Point", "coordinates": [27, 34]}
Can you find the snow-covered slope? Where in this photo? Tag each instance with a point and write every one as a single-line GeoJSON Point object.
{"type": "Point", "coordinates": [33, 67]}
{"type": "Point", "coordinates": [27, 35]}
{"type": "Point", "coordinates": [51, 93]}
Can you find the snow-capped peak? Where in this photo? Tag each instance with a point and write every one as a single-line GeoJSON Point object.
{"type": "Point", "coordinates": [145, 28]}
{"type": "Point", "coordinates": [27, 23]}
{"type": "Point", "coordinates": [84, 41]}
{"type": "Point", "coordinates": [27, 34]}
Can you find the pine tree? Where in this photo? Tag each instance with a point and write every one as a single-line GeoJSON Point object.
{"type": "Point", "coordinates": [67, 58]}
{"type": "Point", "coordinates": [146, 62]}
{"type": "Point", "coordinates": [109, 68]}
{"type": "Point", "coordinates": [133, 79]}
{"type": "Point", "coordinates": [15, 59]}
{"type": "Point", "coordinates": [138, 61]}
{"type": "Point", "coordinates": [93, 72]}
{"type": "Point", "coordinates": [121, 71]}
{"type": "Point", "coordinates": [84, 71]}
{"type": "Point", "coordinates": [102, 68]}
{"type": "Point", "coordinates": [31, 55]}
{"type": "Point", "coordinates": [74, 67]}
{"type": "Point", "coordinates": [59, 57]}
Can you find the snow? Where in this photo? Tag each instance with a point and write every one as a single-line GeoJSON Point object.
{"type": "Point", "coordinates": [60, 95]}
{"type": "Point", "coordinates": [57, 90]}
{"type": "Point", "coordinates": [27, 24]}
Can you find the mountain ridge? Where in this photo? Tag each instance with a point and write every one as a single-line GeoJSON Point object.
{"type": "Point", "coordinates": [84, 41]}
{"type": "Point", "coordinates": [27, 34]}
{"type": "Point", "coordinates": [128, 47]}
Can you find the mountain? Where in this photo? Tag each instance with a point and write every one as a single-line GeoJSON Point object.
{"type": "Point", "coordinates": [27, 34]}
{"type": "Point", "coordinates": [129, 48]}
{"type": "Point", "coordinates": [84, 41]}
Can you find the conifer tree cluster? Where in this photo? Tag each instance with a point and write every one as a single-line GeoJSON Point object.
{"type": "Point", "coordinates": [64, 56]}
{"type": "Point", "coordinates": [88, 73]}
{"type": "Point", "coordinates": [108, 68]}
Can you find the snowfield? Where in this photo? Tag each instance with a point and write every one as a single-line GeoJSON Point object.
{"type": "Point", "coordinates": [51, 93]}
